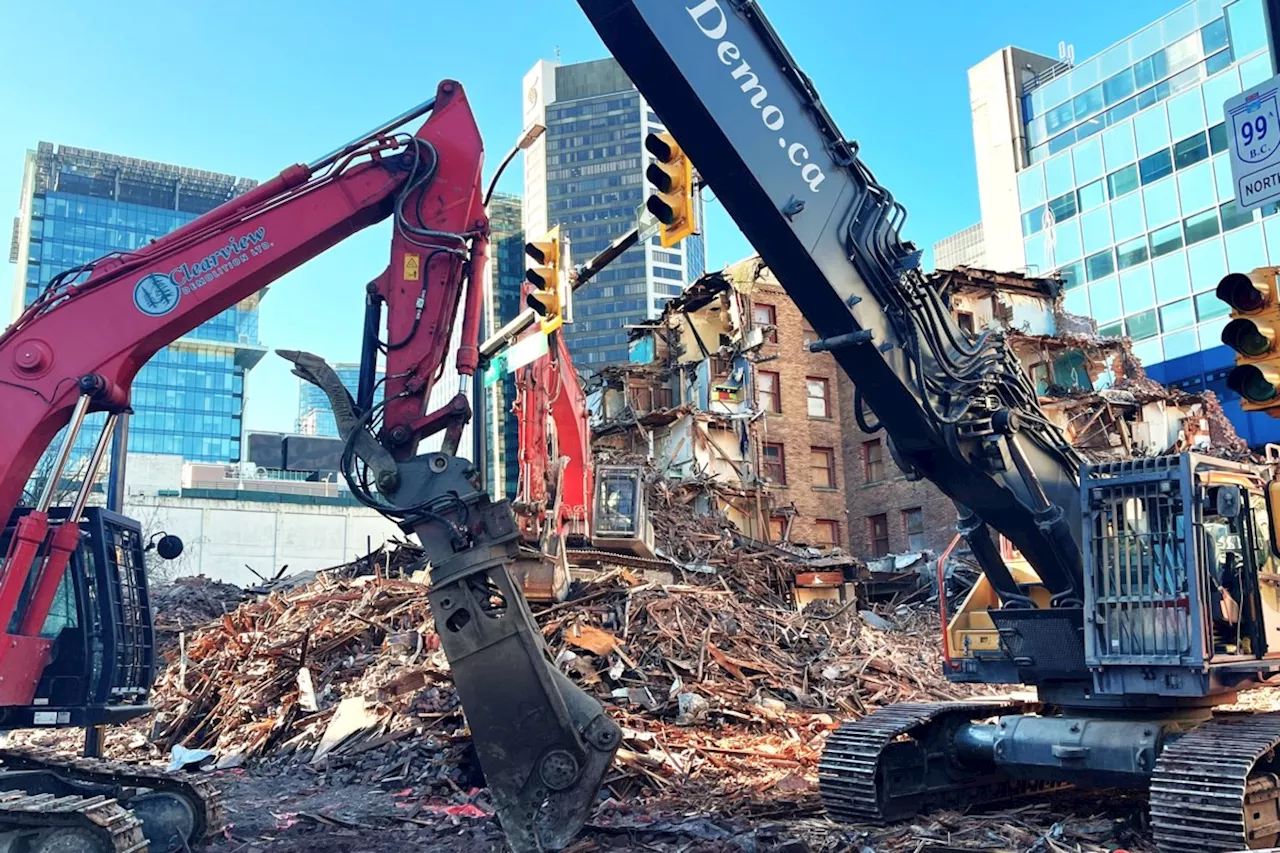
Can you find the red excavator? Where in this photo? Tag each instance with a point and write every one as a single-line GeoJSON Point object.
{"type": "Point", "coordinates": [570, 511]}
{"type": "Point", "coordinates": [78, 646]}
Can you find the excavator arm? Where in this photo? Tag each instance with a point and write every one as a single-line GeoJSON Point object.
{"type": "Point", "coordinates": [543, 744]}
{"type": "Point", "coordinates": [556, 470]}
{"type": "Point", "coordinates": [960, 410]}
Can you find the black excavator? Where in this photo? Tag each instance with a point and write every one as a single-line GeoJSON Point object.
{"type": "Point", "coordinates": [1135, 597]}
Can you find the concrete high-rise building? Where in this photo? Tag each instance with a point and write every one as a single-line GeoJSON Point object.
{"type": "Point", "coordinates": [964, 248]}
{"type": "Point", "coordinates": [506, 275]}
{"type": "Point", "coordinates": [315, 415]}
{"type": "Point", "coordinates": [78, 205]}
{"type": "Point", "coordinates": [586, 174]}
{"type": "Point", "coordinates": [1113, 173]}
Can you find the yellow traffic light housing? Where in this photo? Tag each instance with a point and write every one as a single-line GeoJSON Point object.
{"type": "Point", "coordinates": [672, 175]}
{"type": "Point", "coordinates": [548, 290]}
{"type": "Point", "coordinates": [1254, 333]}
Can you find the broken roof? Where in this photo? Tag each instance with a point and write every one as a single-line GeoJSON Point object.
{"type": "Point", "coordinates": [972, 278]}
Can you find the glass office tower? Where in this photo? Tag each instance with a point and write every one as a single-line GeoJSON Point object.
{"type": "Point", "coordinates": [586, 174]}
{"type": "Point", "coordinates": [1122, 181]}
{"type": "Point", "coordinates": [315, 415]}
{"type": "Point", "coordinates": [78, 205]}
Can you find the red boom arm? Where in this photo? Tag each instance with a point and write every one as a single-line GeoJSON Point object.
{"type": "Point", "coordinates": [93, 336]}
{"type": "Point", "coordinates": [551, 410]}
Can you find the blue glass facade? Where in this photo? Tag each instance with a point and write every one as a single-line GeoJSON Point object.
{"type": "Point", "coordinates": [595, 189]}
{"type": "Point", "coordinates": [315, 415]}
{"type": "Point", "coordinates": [80, 205]}
{"type": "Point", "coordinates": [1128, 194]}
{"type": "Point", "coordinates": [506, 250]}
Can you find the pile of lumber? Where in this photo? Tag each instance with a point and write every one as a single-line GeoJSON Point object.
{"type": "Point", "coordinates": [716, 691]}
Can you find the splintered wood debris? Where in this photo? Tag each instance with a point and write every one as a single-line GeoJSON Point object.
{"type": "Point", "coordinates": [725, 695]}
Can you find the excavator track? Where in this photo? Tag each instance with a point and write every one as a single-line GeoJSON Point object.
{"type": "Point", "coordinates": [589, 556]}
{"type": "Point", "coordinates": [198, 792]}
{"type": "Point", "coordinates": [72, 823]}
{"type": "Point", "coordinates": [1215, 789]}
{"type": "Point", "coordinates": [889, 765]}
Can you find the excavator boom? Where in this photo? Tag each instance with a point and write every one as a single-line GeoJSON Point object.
{"type": "Point", "coordinates": [544, 745]}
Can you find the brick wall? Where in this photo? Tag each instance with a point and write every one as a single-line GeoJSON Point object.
{"type": "Point", "coordinates": [890, 496]}
{"type": "Point", "coordinates": [794, 429]}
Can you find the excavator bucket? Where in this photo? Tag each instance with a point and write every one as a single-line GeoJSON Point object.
{"type": "Point", "coordinates": [622, 512]}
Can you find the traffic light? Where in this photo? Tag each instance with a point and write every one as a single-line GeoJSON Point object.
{"type": "Point", "coordinates": [548, 291]}
{"type": "Point", "coordinates": [672, 175]}
{"type": "Point", "coordinates": [1254, 333]}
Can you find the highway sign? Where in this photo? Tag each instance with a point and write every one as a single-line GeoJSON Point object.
{"type": "Point", "coordinates": [1253, 128]}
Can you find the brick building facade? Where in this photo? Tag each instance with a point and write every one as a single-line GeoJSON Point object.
{"type": "Point", "coordinates": [888, 514]}
{"type": "Point", "coordinates": [803, 419]}
{"type": "Point", "coordinates": [722, 388]}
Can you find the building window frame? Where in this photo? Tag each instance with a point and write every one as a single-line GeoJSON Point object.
{"type": "Point", "coordinates": [913, 528]}
{"type": "Point", "coordinates": [826, 470]}
{"type": "Point", "coordinates": [821, 400]}
{"type": "Point", "coordinates": [769, 400]}
{"type": "Point", "coordinates": [774, 462]}
{"type": "Point", "coordinates": [873, 467]}
{"type": "Point", "coordinates": [764, 314]}
{"type": "Point", "coordinates": [832, 528]}
{"type": "Point", "coordinates": [878, 534]}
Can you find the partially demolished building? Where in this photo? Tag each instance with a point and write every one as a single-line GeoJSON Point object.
{"type": "Point", "coordinates": [721, 389]}
{"type": "Point", "coordinates": [1091, 386]}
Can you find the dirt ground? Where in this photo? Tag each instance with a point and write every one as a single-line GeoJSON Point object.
{"type": "Point", "coordinates": [300, 813]}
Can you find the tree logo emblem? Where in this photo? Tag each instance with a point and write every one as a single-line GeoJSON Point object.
{"type": "Point", "coordinates": [156, 295]}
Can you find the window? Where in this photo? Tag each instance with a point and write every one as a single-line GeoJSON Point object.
{"type": "Point", "coordinates": [767, 397]}
{"type": "Point", "coordinates": [1202, 226]}
{"type": "Point", "coordinates": [766, 315]}
{"type": "Point", "coordinates": [1156, 166]}
{"type": "Point", "coordinates": [1234, 217]}
{"type": "Point", "coordinates": [878, 534]}
{"type": "Point", "coordinates": [913, 524]}
{"type": "Point", "coordinates": [826, 533]}
{"type": "Point", "coordinates": [1100, 265]}
{"type": "Point", "coordinates": [872, 461]}
{"type": "Point", "coordinates": [1033, 221]}
{"type": "Point", "coordinates": [1191, 150]}
{"type": "Point", "coordinates": [964, 319]}
{"type": "Point", "coordinates": [1063, 207]}
{"type": "Point", "coordinates": [1072, 275]}
{"type": "Point", "coordinates": [1218, 138]}
{"type": "Point", "coordinates": [1142, 326]}
{"type": "Point", "coordinates": [1131, 253]}
{"type": "Point", "coordinates": [1177, 315]}
{"type": "Point", "coordinates": [1166, 240]}
{"type": "Point", "coordinates": [1091, 195]}
{"type": "Point", "coordinates": [810, 336]}
{"type": "Point", "coordinates": [819, 390]}
{"type": "Point", "coordinates": [775, 464]}
{"type": "Point", "coordinates": [1209, 306]}
{"type": "Point", "coordinates": [777, 528]}
{"type": "Point", "coordinates": [822, 465]}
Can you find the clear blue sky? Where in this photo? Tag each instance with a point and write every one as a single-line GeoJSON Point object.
{"type": "Point", "coordinates": [248, 88]}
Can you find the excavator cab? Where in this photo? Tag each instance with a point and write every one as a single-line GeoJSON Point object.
{"type": "Point", "coordinates": [622, 512]}
{"type": "Point", "coordinates": [103, 658]}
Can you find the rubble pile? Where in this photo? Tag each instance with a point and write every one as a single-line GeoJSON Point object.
{"type": "Point", "coordinates": [192, 601]}
{"type": "Point", "coordinates": [717, 691]}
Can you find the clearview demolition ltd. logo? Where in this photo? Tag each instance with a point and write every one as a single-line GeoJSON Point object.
{"type": "Point", "coordinates": [156, 294]}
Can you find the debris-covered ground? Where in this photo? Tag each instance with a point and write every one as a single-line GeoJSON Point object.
{"type": "Point", "coordinates": [333, 725]}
